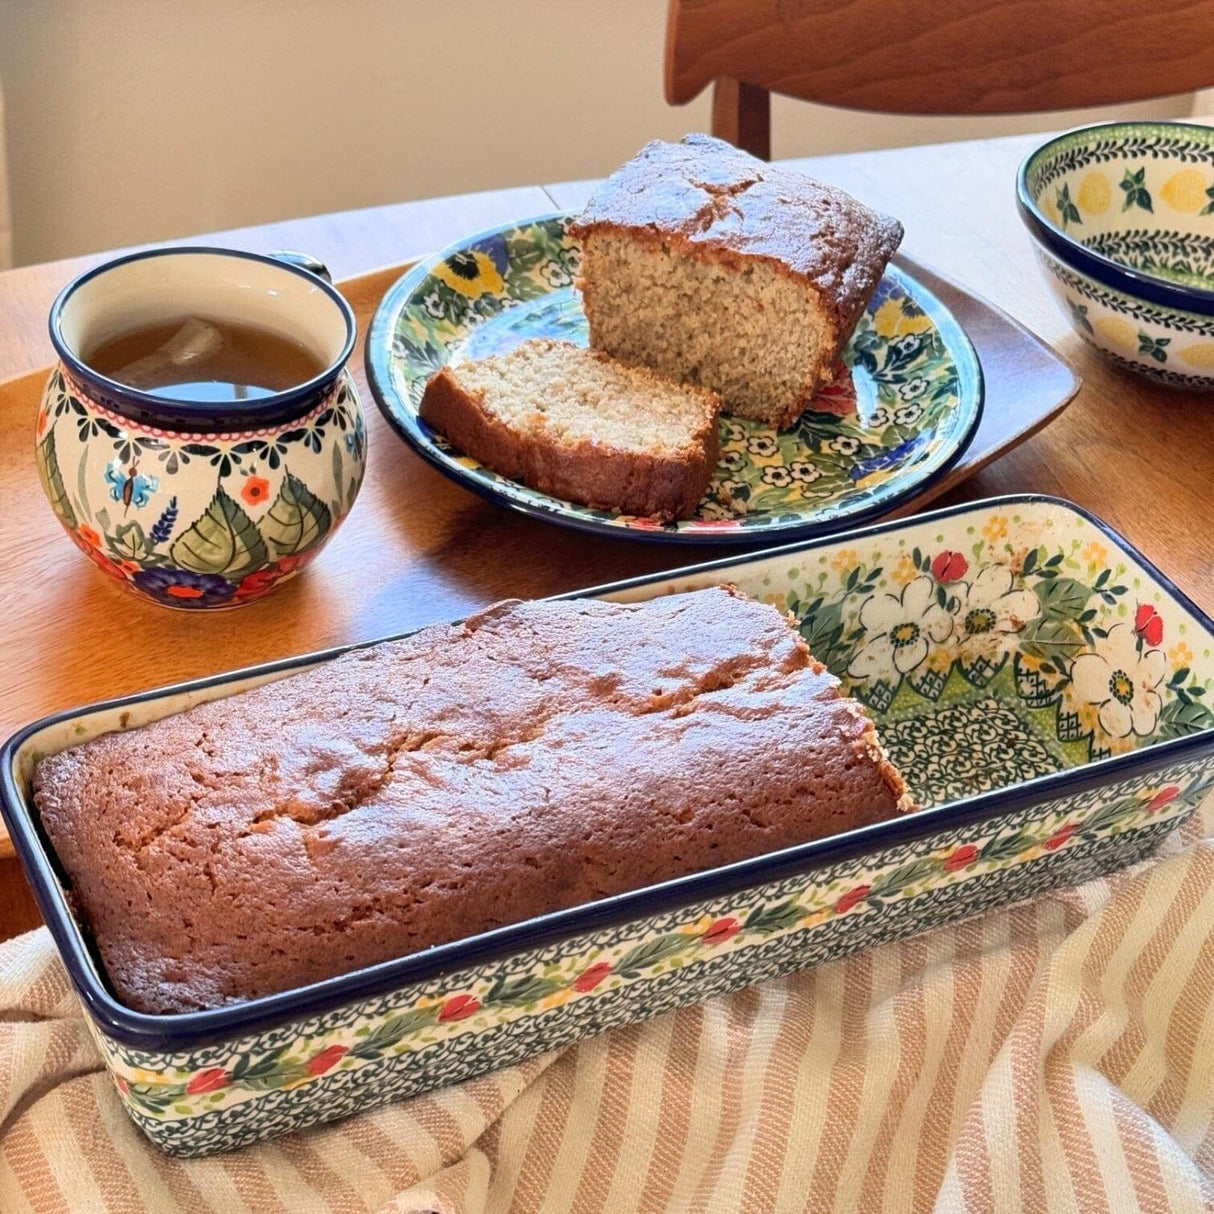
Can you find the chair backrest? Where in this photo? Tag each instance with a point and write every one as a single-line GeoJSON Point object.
{"type": "Point", "coordinates": [6, 226]}
{"type": "Point", "coordinates": [935, 56]}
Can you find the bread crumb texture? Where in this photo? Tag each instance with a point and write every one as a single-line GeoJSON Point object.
{"type": "Point", "coordinates": [722, 270]}
{"type": "Point", "coordinates": [581, 425]}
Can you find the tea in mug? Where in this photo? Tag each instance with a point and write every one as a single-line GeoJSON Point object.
{"type": "Point", "coordinates": [209, 361]}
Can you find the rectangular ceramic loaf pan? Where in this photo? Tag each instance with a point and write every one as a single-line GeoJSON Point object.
{"type": "Point", "coordinates": [1045, 691]}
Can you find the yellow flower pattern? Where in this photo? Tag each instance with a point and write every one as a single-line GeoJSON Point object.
{"type": "Point", "coordinates": [1180, 655]}
{"type": "Point", "coordinates": [1094, 194]}
{"type": "Point", "coordinates": [904, 570]}
{"type": "Point", "coordinates": [1185, 190]}
{"type": "Point", "coordinates": [995, 528]}
{"type": "Point", "coordinates": [892, 319]}
{"type": "Point", "coordinates": [471, 273]}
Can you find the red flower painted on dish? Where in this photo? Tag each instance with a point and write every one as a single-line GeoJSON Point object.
{"type": "Point", "coordinates": [721, 930]}
{"type": "Point", "coordinates": [298, 560]}
{"type": "Point", "coordinates": [89, 542]}
{"type": "Point", "coordinates": [260, 581]}
{"type": "Point", "coordinates": [1060, 836]}
{"type": "Point", "coordinates": [1163, 797]}
{"type": "Point", "coordinates": [590, 978]}
{"type": "Point", "coordinates": [255, 490]}
{"type": "Point", "coordinates": [458, 1007]}
{"type": "Point", "coordinates": [208, 1081]}
{"type": "Point", "coordinates": [107, 566]}
{"type": "Point", "coordinates": [1148, 624]}
{"type": "Point", "coordinates": [91, 538]}
{"type": "Point", "coordinates": [949, 567]}
{"type": "Point", "coordinates": [838, 396]}
{"type": "Point", "coordinates": [963, 857]}
{"type": "Point", "coordinates": [326, 1060]}
{"type": "Point", "coordinates": [852, 897]}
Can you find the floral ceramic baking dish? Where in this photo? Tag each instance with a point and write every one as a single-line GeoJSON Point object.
{"type": "Point", "coordinates": [1044, 689]}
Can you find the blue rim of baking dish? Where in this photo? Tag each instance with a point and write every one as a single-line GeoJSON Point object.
{"type": "Point", "coordinates": [377, 362]}
{"type": "Point", "coordinates": [189, 415]}
{"type": "Point", "coordinates": [189, 1030]}
{"type": "Point", "coordinates": [1104, 269]}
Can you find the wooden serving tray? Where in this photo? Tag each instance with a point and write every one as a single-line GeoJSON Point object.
{"type": "Point", "coordinates": [415, 549]}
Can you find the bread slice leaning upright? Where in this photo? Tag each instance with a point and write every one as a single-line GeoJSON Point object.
{"type": "Point", "coordinates": [579, 425]}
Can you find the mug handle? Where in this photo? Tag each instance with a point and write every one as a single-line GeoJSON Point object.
{"type": "Point", "coordinates": [305, 261]}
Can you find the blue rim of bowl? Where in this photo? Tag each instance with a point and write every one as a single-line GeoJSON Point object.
{"type": "Point", "coordinates": [405, 422]}
{"type": "Point", "coordinates": [1105, 270]}
{"type": "Point", "coordinates": [190, 1030]}
{"type": "Point", "coordinates": [188, 415]}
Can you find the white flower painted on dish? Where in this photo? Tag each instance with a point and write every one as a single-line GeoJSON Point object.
{"type": "Point", "coordinates": [845, 444]}
{"type": "Point", "coordinates": [991, 613]}
{"type": "Point", "coordinates": [1121, 680]}
{"type": "Point", "coordinates": [762, 445]}
{"type": "Point", "coordinates": [434, 306]}
{"type": "Point", "coordinates": [900, 629]}
{"type": "Point", "coordinates": [555, 274]}
{"type": "Point", "coordinates": [804, 470]}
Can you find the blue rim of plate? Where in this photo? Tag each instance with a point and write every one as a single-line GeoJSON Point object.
{"type": "Point", "coordinates": [403, 419]}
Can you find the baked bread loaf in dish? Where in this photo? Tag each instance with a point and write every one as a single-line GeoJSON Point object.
{"type": "Point", "coordinates": [580, 425]}
{"type": "Point", "coordinates": [719, 269]}
{"type": "Point", "coordinates": [537, 756]}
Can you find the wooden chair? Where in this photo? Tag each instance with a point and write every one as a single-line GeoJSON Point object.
{"type": "Point", "coordinates": [931, 57]}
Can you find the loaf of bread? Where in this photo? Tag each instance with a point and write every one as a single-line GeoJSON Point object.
{"type": "Point", "coordinates": [580, 425]}
{"type": "Point", "coordinates": [538, 756]}
{"type": "Point", "coordinates": [718, 269]}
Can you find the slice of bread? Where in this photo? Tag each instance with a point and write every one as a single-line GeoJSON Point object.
{"type": "Point", "coordinates": [580, 425]}
{"type": "Point", "coordinates": [718, 269]}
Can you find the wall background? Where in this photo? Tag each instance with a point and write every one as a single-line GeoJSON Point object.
{"type": "Point", "coordinates": [136, 120]}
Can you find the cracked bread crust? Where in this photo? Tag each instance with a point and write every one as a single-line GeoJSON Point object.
{"type": "Point", "coordinates": [715, 201]}
{"type": "Point", "coordinates": [538, 756]}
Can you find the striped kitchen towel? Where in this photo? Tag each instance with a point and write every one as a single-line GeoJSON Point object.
{"type": "Point", "coordinates": [1058, 1055]}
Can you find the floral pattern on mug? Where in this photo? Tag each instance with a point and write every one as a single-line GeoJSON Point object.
{"type": "Point", "coordinates": [199, 520]}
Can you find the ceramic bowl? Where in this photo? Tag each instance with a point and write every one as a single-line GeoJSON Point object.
{"type": "Point", "coordinates": [1122, 216]}
{"type": "Point", "coordinates": [192, 504]}
{"type": "Point", "coordinates": [1043, 688]}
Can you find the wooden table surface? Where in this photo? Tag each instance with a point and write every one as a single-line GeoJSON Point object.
{"type": "Point", "coordinates": [1140, 456]}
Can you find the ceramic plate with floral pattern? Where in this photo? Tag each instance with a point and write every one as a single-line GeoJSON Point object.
{"type": "Point", "coordinates": [904, 404]}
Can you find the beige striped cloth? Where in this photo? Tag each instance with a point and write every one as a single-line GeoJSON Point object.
{"type": "Point", "coordinates": [1058, 1055]}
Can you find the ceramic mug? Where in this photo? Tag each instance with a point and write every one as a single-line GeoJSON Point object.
{"type": "Point", "coordinates": [201, 504]}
